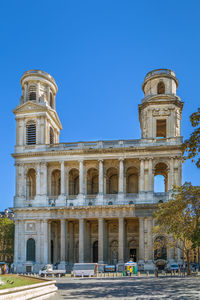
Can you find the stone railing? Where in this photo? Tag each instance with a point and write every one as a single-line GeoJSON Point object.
{"type": "Point", "coordinates": [160, 71]}
{"type": "Point", "coordinates": [102, 145]}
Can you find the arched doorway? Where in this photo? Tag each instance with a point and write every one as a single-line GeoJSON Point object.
{"type": "Point", "coordinates": [95, 252]}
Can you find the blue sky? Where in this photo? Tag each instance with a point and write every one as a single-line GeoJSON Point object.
{"type": "Point", "coordinates": [99, 53]}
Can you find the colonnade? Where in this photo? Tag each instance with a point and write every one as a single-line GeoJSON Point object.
{"type": "Point", "coordinates": [146, 176]}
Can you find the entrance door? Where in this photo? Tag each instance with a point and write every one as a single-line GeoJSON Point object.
{"type": "Point", "coordinates": [133, 254]}
{"type": "Point", "coordinates": [95, 252]}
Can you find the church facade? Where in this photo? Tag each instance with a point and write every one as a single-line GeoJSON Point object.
{"type": "Point", "coordinates": [92, 201]}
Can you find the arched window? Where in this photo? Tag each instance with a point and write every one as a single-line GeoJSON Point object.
{"type": "Point", "coordinates": [92, 182]}
{"type": "Point", "coordinates": [132, 180]}
{"type": "Point", "coordinates": [30, 250]}
{"type": "Point", "coordinates": [74, 182]}
{"type": "Point", "coordinates": [161, 88]}
{"type": "Point", "coordinates": [31, 184]}
{"type": "Point", "coordinates": [51, 100]}
{"type": "Point", "coordinates": [30, 133]}
{"type": "Point", "coordinates": [32, 93]}
{"type": "Point", "coordinates": [112, 181]}
{"type": "Point", "coordinates": [55, 183]}
{"type": "Point", "coordinates": [51, 136]}
{"type": "Point", "coordinates": [161, 178]}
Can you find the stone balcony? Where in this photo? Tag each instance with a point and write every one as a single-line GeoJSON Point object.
{"type": "Point", "coordinates": [115, 144]}
{"type": "Point", "coordinates": [93, 200]}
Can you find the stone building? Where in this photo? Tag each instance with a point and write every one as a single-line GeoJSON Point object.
{"type": "Point", "coordinates": [92, 201]}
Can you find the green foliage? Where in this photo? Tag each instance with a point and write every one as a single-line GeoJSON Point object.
{"type": "Point", "coordinates": [192, 145]}
{"type": "Point", "coordinates": [179, 218]}
{"type": "Point", "coordinates": [6, 237]}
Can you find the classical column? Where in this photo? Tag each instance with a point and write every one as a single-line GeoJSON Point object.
{"type": "Point", "coordinates": [81, 240]}
{"type": "Point", "coordinates": [121, 175]}
{"type": "Point", "coordinates": [151, 176]}
{"type": "Point", "coordinates": [121, 239]}
{"type": "Point", "coordinates": [101, 177]}
{"type": "Point", "coordinates": [38, 180]}
{"type": "Point", "coordinates": [63, 245]}
{"type": "Point", "coordinates": [62, 178]}
{"type": "Point", "coordinates": [16, 245]}
{"type": "Point", "coordinates": [43, 190]}
{"type": "Point", "coordinates": [179, 171]}
{"type": "Point", "coordinates": [141, 175]}
{"type": "Point", "coordinates": [100, 241]}
{"type": "Point", "coordinates": [150, 238]}
{"type": "Point", "coordinates": [81, 177]}
{"type": "Point", "coordinates": [71, 242]}
{"type": "Point", "coordinates": [38, 248]}
{"type": "Point", "coordinates": [48, 94]}
{"type": "Point", "coordinates": [141, 238]}
{"type": "Point", "coordinates": [171, 173]}
{"type": "Point", "coordinates": [46, 241]}
{"type": "Point", "coordinates": [23, 241]}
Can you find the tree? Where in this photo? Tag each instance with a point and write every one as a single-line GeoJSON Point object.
{"type": "Point", "coordinates": [179, 219]}
{"type": "Point", "coordinates": [192, 145]}
{"type": "Point", "coordinates": [6, 238]}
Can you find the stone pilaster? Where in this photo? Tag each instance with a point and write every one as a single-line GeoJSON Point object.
{"type": "Point", "coordinates": [150, 238]}
{"type": "Point", "coordinates": [121, 239]}
{"type": "Point", "coordinates": [151, 176]}
{"type": "Point", "coordinates": [16, 246]}
{"type": "Point", "coordinates": [38, 92]}
{"type": "Point", "coordinates": [63, 242]}
{"type": "Point", "coordinates": [81, 240]}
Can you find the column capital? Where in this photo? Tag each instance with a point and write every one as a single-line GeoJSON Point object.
{"type": "Point", "coordinates": [121, 159]}
{"type": "Point", "coordinates": [100, 160]}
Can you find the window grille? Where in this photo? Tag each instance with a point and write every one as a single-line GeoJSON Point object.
{"type": "Point", "coordinates": [32, 93]}
{"type": "Point", "coordinates": [31, 134]}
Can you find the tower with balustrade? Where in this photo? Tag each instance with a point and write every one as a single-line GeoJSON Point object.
{"type": "Point", "coordinates": [93, 201]}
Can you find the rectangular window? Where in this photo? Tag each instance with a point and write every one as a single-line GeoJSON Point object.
{"type": "Point", "coordinates": [31, 134]}
{"type": "Point", "coordinates": [161, 126]}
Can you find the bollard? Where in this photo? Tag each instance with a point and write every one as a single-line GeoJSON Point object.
{"type": "Point", "coordinates": [138, 274]}
{"type": "Point", "coordinates": [147, 273]}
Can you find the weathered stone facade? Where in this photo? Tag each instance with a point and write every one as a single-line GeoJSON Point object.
{"type": "Point", "coordinates": [92, 201]}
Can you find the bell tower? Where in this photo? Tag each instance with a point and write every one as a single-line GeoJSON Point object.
{"type": "Point", "coordinates": [37, 122]}
{"type": "Point", "coordinates": [160, 111]}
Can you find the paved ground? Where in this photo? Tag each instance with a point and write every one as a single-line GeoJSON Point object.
{"type": "Point", "coordinates": [137, 288]}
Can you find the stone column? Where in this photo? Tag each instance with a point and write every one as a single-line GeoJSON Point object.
{"type": "Point", "coordinates": [100, 241]}
{"type": "Point", "coordinates": [81, 240]}
{"type": "Point", "coordinates": [151, 176]}
{"type": "Point", "coordinates": [71, 242]}
{"type": "Point", "coordinates": [16, 245]}
{"type": "Point", "coordinates": [38, 248]}
{"type": "Point", "coordinates": [121, 176]}
{"type": "Point", "coordinates": [63, 244]}
{"type": "Point", "coordinates": [101, 177]}
{"type": "Point", "coordinates": [179, 172]}
{"type": "Point", "coordinates": [62, 178]}
{"type": "Point", "coordinates": [38, 180]}
{"type": "Point", "coordinates": [81, 178]}
{"type": "Point", "coordinates": [171, 177]}
{"type": "Point", "coordinates": [66, 181]}
{"type": "Point", "coordinates": [23, 241]}
{"type": "Point", "coordinates": [48, 95]}
{"type": "Point", "coordinates": [46, 241]}
{"type": "Point", "coordinates": [141, 175]}
{"type": "Point", "coordinates": [121, 239]}
{"type": "Point", "coordinates": [44, 179]}
{"type": "Point", "coordinates": [150, 238]}
{"type": "Point", "coordinates": [141, 238]}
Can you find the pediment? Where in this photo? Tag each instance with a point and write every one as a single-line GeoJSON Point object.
{"type": "Point", "coordinates": [29, 106]}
